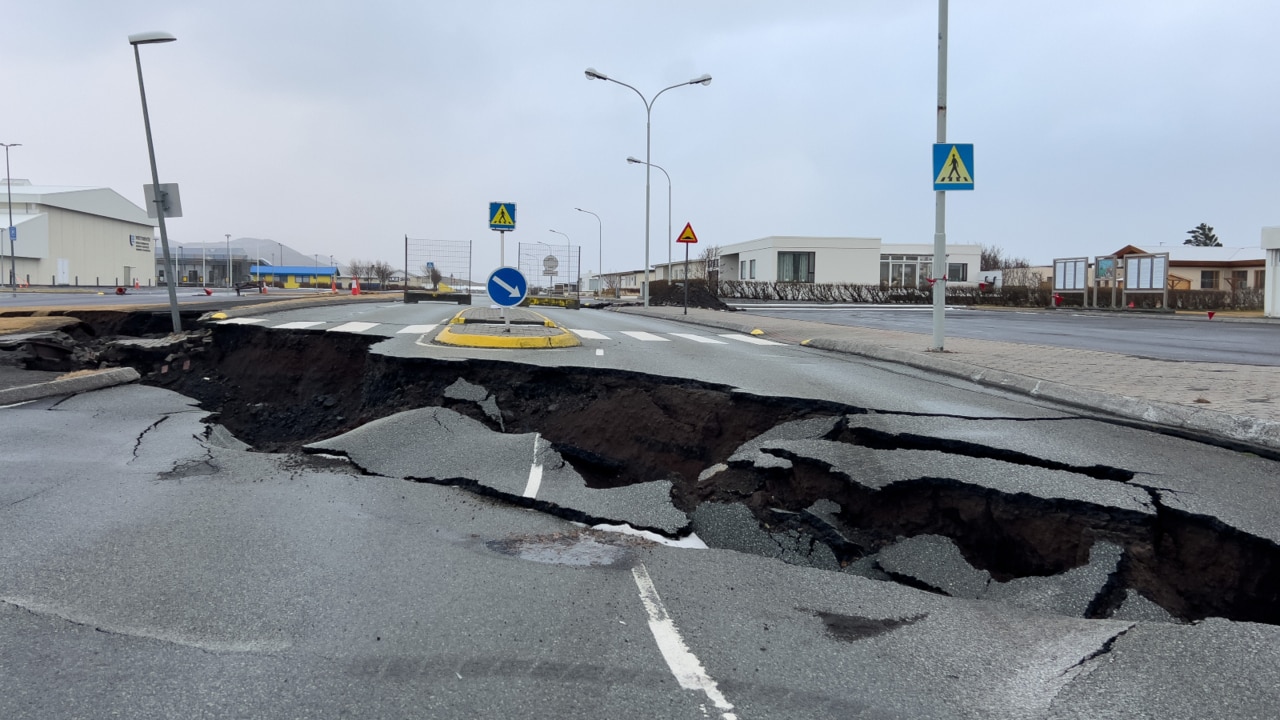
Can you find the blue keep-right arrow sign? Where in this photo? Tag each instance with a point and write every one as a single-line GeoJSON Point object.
{"type": "Point", "coordinates": [507, 286]}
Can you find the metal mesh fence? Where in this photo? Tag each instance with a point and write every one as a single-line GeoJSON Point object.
{"type": "Point", "coordinates": [550, 269]}
{"type": "Point", "coordinates": [443, 265]}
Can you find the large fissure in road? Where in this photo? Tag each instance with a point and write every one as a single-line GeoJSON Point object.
{"type": "Point", "coordinates": [806, 481]}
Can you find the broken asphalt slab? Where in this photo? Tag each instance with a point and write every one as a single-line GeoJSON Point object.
{"type": "Point", "coordinates": [443, 446]}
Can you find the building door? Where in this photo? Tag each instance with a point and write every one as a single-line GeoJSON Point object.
{"type": "Point", "coordinates": [128, 275]}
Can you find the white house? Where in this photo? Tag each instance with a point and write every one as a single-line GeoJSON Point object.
{"type": "Point", "coordinates": [77, 236]}
{"type": "Point", "coordinates": [855, 261]}
{"type": "Point", "coordinates": [1271, 273]}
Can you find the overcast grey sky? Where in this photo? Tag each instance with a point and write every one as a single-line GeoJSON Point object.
{"type": "Point", "coordinates": [338, 127]}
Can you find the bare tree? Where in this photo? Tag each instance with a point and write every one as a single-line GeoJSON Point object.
{"type": "Point", "coordinates": [993, 258]}
{"type": "Point", "coordinates": [708, 264]}
{"type": "Point", "coordinates": [382, 271]}
{"type": "Point", "coordinates": [359, 268]}
{"type": "Point", "coordinates": [432, 273]}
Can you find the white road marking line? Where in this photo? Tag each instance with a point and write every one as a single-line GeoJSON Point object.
{"type": "Point", "coordinates": [684, 665]}
{"type": "Point", "coordinates": [241, 321]}
{"type": "Point", "coordinates": [419, 329]}
{"type": "Point", "coordinates": [599, 351]}
{"type": "Point", "coordinates": [647, 337]}
{"type": "Point", "coordinates": [589, 334]}
{"type": "Point", "coordinates": [699, 338]}
{"type": "Point", "coordinates": [750, 339]}
{"type": "Point", "coordinates": [353, 327]}
{"type": "Point", "coordinates": [298, 325]}
{"type": "Point", "coordinates": [535, 473]}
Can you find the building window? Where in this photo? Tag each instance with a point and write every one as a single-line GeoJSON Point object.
{"type": "Point", "coordinates": [904, 270]}
{"type": "Point", "coordinates": [1260, 278]}
{"type": "Point", "coordinates": [957, 272]}
{"type": "Point", "coordinates": [795, 267]}
{"type": "Point", "coordinates": [753, 269]}
{"type": "Point", "coordinates": [1239, 279]}
{"type": "Point", "coordinates": [1208, 279]}
{"type": "Point", "coordinates": [742, 270]}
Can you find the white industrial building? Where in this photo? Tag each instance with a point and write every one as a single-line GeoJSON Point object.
{"type": "Point", "coordinates": [1271, 273]}
{"type": "Point", "coordinates": [846, 260]}
{"type": "Point", "coordinates": [77, 236]}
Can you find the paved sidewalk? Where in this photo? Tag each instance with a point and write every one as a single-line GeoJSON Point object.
{"type": "Point", "coordinates": [1236, 402]}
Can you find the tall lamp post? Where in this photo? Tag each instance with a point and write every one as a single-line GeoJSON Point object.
{"type": "Point", "coordinates": [228, 259]}
{"type": "Point", "coordinates": [599, 251]}
{"type": "Point", "coordinates": [593, 74]}
{"type": "Point", "coordinates": [568, 247]}
{"type": "Point", "coordinates": [150, 38]}
{"type": "Point", "coordinates": [13, 257]}
{"type": "Point", "coordinates": [638, 161]}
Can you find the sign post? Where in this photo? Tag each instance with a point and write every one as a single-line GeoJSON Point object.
{"type": "Point", "coordinates": [688, 238]}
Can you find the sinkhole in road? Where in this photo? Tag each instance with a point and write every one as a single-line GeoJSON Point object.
{"type": "Point", "coordinates": [802, 480]}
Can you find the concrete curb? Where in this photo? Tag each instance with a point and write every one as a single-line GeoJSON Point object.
{"type": "Point", "coordinates": [1235, 428]}
{"type": "Point", "coordinates": [69, 386]}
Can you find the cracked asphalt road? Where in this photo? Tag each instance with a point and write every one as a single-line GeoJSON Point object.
{"type": "Point", "coordinates": [901, 562]}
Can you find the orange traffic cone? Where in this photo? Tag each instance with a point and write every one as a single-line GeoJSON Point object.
{"type": "Point", "coordinates": [355, 286]}
{"type": "Point", "coordinates": [136, 284]}
{"type": "Point", "coordinates": [333, 285]}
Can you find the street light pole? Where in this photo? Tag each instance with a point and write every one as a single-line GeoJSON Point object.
{"type": "Point", "coordinates": [13, 256]}
{"type": "Point", "coordinates": [593, 74]}
{"type": "Point", "coordinates": [940, 197]}
{"type": "Point", "coordinates": [638, 161]}
{"type": "Point", "coordinates": [149, 38]}
{"type": "Point", "coordinates": [228, 259]}
{"type": "Point", "coordinates": [568, 247]}
{"type": "Point", "coordinates": [599, 251]}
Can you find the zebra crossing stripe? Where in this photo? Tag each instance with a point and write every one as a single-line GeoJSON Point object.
{"type": "Point", "coordinates": [750, 339]}
{"type": "Point", "coordinates": [699, 338]}
{"type": "Point", "coordinates": [589, 334]}
{"type": "Point", "coordinates": [647, 337]}
{"type": "Point", "coordinates": [353, 327]}
{"type": "Point", "coordinates": [241, 321]}
{"type": "Point", "coordinates": [298, 325]}
{"type": "Point", "coordinates": [417, 329]}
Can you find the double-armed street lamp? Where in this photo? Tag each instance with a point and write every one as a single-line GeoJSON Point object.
{"type": "Point", "coordinates": [593, 74]}
{"type": "Point", "coordinates": [151, 38]}
{"type": "Point", "coordinates": [599, 252]}
{"type": "Point", "coordinates": [638, 161]}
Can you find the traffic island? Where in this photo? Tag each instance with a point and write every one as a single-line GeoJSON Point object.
{"type": "Point", "coordinates": [519, 329]}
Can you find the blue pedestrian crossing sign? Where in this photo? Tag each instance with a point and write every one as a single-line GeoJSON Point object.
{"type": "Point", "coordinates": [952, 166]}
{"type": "Point", "coordinates": [507, 287]}
{"type": "Point", "coordinates": [502, 216]}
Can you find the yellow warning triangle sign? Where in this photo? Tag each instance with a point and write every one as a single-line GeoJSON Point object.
{"type": "Point", "coordinates": [954, 170]}
{"type": "Point", "coordinates": [687, 235]}
{"type": "Point", "coordinates": [502, 217]}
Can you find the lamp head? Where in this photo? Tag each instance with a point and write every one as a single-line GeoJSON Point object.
{"type": "Point", "coordinates": [704, 80]}
{"type": "Point", "coordinates": [148, 38]}
{"type": "Point", "coordinates": [635, 160]}
{"type": "Point", "coordinates": [593, 74]}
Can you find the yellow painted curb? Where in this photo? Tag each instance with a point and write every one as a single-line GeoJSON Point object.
{"type": "Point", "coordinates": [757, 331]}
{"type": "Point", "coordinates": [564, 340]}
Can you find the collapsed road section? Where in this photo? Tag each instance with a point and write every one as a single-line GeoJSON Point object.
{"type": "Point", "coordinates": [967, 507]}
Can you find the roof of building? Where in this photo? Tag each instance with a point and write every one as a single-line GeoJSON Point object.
{"type": "Point", "coordinates": [100, 201]}
{"type": "Point", "coordinates": [1201, 254]}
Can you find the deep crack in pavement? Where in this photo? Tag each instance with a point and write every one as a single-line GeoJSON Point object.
{"type": "Point", "coordinates": [825, 484]}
